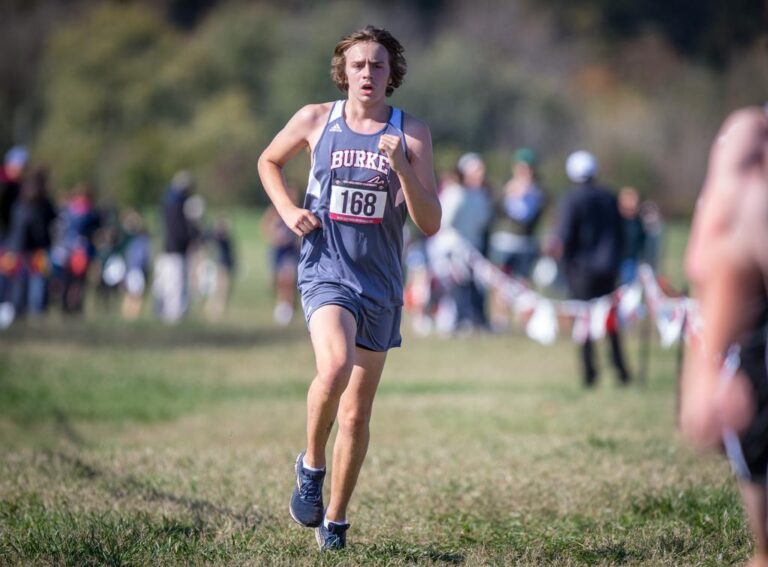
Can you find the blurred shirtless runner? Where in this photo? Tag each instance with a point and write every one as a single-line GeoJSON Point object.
{"type": "Point", "coordinates": [371, 167]}
{"type": "Point", "coordinates": [725, 383]}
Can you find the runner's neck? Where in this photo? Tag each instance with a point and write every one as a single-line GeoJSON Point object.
{"type": "Point", "coordinates": [364, 118]}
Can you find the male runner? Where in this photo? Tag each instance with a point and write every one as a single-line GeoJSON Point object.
{"type": "Point", "coordinates": [371, 165]}
{"type": "Point", "coordinates": [725, 381]}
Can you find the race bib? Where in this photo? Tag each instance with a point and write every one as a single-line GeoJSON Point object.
{"type": "Point", "coordinates": [358, 202]}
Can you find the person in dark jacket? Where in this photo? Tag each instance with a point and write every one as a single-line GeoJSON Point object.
{"type": "Point", "coordinates": [589, 245]}
{"type": "Point", "coordinates": [11, 176]}
{"type": "Point", "coordinates": [634, 234]}
{"type": "Point", "coordinates": [29, 239]}
{"type": "Point", "coordinates": [171, 284]}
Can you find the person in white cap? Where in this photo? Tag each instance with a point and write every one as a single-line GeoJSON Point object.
{"type": "Point", "coordinates": [588, 242]}
{"type": "Point", "coordinates": [581, 167]}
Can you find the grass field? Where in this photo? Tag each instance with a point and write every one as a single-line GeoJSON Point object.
{"type": "Point", "coordinates": [135, 444]}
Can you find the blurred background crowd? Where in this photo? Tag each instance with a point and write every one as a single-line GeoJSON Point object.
{"type": "Point", "coordinates": [54, 251]}
{"type": "Point", "coordinates": [124, 124]}
{"type": "Point", "coordinates": [519, 227]}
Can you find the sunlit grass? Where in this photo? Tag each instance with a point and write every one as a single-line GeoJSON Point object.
{"type": "Point", "coordinates": [145, 444]}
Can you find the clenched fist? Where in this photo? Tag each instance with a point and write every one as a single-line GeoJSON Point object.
{"type": "Point", "coordinates": [301, 221]}
{"type": "Point", "coordinates": [392, 146]}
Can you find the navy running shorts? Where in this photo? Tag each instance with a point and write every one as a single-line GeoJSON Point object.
{"type": "Point", "coordinates": [378, 327]}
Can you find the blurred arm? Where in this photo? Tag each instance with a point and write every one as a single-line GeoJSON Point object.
{"type": "Point", "coordinates": [730, 223]}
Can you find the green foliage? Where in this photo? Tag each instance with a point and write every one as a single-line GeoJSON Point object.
{"type": "Point", "coordinates": [708, 30]}
{"type": "Point", "coordinates": [221, 141]}
{"type": "Point", "coordinates": [128, 99]}
{"type": "Point", "coordinates": [147, 102]}
{"type": "Point", "coordinates": [98, 93]}
{"type": "Point", "coordinates": [300, 74]}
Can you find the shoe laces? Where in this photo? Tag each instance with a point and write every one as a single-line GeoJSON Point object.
{"type": "Point", "coordinates": [310, 489]}
{"type": "Point", "coordinates": [332, 540]}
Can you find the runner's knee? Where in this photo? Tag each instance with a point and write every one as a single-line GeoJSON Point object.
{"type": "Point", "coordinates": [333, 373]}
{"type": "Point", "coordinates": [352, 419]}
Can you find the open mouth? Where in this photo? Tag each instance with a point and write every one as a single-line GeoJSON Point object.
{"type": "Point", "coordinates": [367, 89]}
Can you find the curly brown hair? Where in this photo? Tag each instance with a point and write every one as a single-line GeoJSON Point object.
{"type": "Point", "coordinates": [397, 64]}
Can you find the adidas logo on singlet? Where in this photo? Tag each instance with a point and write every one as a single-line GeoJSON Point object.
{"type": "Point", "coordinates": [335, 128]}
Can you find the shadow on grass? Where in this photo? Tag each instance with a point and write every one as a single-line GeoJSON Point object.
{"type": "Point", "coordinates": [131, 487]}
{"type": "Point", "coordinates": [150, 335]}
{"type": "Point", "coordinates": [389, 551]}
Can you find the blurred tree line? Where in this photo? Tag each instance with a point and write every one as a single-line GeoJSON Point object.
{"type": "Point", "coordinates": [124, 93]}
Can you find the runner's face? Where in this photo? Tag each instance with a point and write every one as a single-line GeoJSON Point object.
{"type": "Point", "coordinates": [367, 68]}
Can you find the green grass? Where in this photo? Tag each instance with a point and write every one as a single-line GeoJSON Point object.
{"type": "Point", "coordinates": [136, 444]}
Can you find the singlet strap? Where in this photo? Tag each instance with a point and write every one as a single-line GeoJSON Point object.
{"type": "Point", "coordinates": [396, 118]}
{"type": "Point", "coordinates": [336, 111]}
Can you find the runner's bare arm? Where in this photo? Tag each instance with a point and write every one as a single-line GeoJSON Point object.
{"type": "Point", "coordinates": [718, 207]}
{"type": "Point", "coordinates": [301, 132]}
{"type": "Point", "coordinates": [707, 404]}
{"type": "Point", "coordinates": [416, 173]}
{"type": "Point", "coordinates": [722, 264]}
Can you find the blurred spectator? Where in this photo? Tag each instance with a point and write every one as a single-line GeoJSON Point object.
{"type": "Point", "coordinates": [108, 241]}
{"type": "Point", "coordinates": [633, 234]}
{"type": "Point", "coordinates": [468, 210]}
{"type": "Point", "coordinates": [589, 242]}
{"type": "Point", "coordinates": [418, 293]}
{"type": "Point", "coordinates": [137, 252]}
{"type": "Point", "coordinates": [171, 285]}
{"type": "Point", "coordinates": [201, 267]}
{"type": "Point", "coordinates": [513, 244]}
{"type": "Point", "coordinates": [74, 249]}
{"type": "Point", "coordinates": [284, 260]}
{"type": "Point", "coordinates": [451, 197]}
{"type": "Point", "coordinates": [439, 249]}
{"type": "Point", "coordinates": [653, 225]}
{"type": "Point", "coordinates": [475, 209]}
{"type": "Point", "coordinates": [218, 299]}
{"type": "Point", "coordinates": [29, 239]}
{"type": "Point", "coordinates": [11, 177]}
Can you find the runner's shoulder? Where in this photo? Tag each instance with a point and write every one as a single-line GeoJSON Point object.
{"type": "Point", "coordinates": [414, 126]}
{"type": "Point", "coordinates": [416, 130]}
{"type": "Point", "coordinates": [313, 115]}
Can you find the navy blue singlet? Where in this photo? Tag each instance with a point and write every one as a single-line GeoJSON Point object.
{"type": "Point", "coordinates": [361, 206]}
